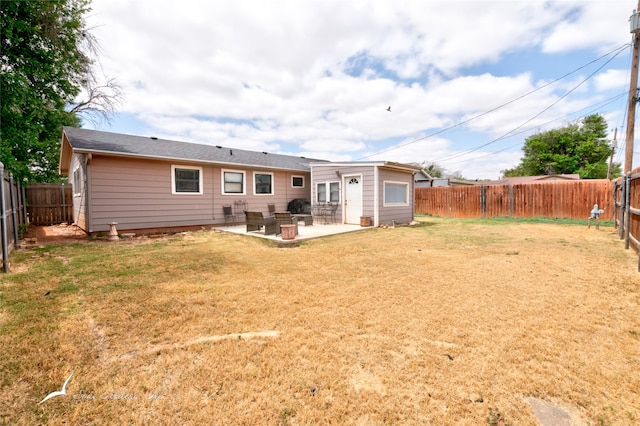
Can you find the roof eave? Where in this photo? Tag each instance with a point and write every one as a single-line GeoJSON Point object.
{"type": "Point", "coordinates": [65, 155]}
{"type": "Point", "coordinates": [188, 160]}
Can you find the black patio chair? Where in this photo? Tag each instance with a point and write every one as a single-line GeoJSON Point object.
{"type": "Point", "coordinates": [229, 217]}
{"type": "Point", "coordinates": [332, 211]}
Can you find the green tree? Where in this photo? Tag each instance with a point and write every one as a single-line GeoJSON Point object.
{"type": "Point", "coordinates": [437, 171]}
{"type": "Point", "coordinates": [434, 170]}
{"type": "Point", "coordinates": [47, 57]}
{"type": "Point", "coordinates": [580, 148]}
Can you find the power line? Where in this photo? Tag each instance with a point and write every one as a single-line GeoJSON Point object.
{"type": "Point", "coordinates": [538, 114]}
{"type": "Point", "coordinates": [617, 51]}
{"type": "Point", "coordinates": [592, 108]}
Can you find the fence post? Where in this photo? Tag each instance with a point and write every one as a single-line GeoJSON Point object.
{"type": "Point", "coordinates": [627, 205]}
{"type": "Point", "coordinates": [14, 213]}
{"type": "Point", "coordinates": [483, 200]}
{"type": "Point", "coordinates": [3, 224]}
{"type": "Point", "coordinates": [623, 197]}
{"type": "Point", "coordinates": [615, 206]}
{"type": "Point", "coordinates": [511, 201]}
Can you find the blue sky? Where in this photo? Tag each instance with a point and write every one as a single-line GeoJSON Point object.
{"type": "Point", "coordinates": [467, 80]}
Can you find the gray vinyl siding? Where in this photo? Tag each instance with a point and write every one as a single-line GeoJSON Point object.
{"type": "Point", "coordinates": [328, 174]}
{"type": "Point", "coordinates": [137, 194]}
{"type": "Point", "coordinates": [283, 192]}
{"type": "Point", "coordinates": [399, 214]}
{"type": "Point", "coordinates": [372, 201]}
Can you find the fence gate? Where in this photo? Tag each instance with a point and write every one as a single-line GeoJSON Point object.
{"type": "Point", "coordinates": [49, 203]}
{"type": "Point", "coordinates": [12, 215]}
{"type": "Point", "coordinates": [627, 200]}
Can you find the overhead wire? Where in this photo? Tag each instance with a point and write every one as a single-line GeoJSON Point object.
{"type": "Point", "coordinates": [618, 154]}
{"type": "Point", "coordinates": [615, 51]}
{"type": "Point", "coordinates": [536, 115]}
{"type": "Point", "coordinates": [592, 109]}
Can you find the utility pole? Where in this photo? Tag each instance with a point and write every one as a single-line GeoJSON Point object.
{"type": "Point", "coordinates": [613, 151]}
{"type": "Point", "coordinates": [633, 90]}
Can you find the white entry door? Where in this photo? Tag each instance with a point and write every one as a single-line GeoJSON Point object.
{"type": "Point", "coordinates": [352, 199]}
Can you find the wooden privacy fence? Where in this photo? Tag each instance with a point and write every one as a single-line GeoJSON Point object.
{"type": "Point", "coordinates": [12, 215]}
{"type": "Point", "coordinates": [574, 199]}
{"type": "Point", "coordinates": [627, 205]}
{"type": "Point", "coordinates": [50, 203]}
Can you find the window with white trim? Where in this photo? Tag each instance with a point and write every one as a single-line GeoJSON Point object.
{"type": "Point", "coordinates": [262, 183]}
{"type": "Point", "coordinates": [186, 180]}
{"type": "Point", "coordinates": [396, 194]}
{"type": "Point", "coordinates": [297, 181]}
{"type": "Point", "coordinates": [333, 192]}
{"type": "Point", "coordinates": [233, 182]}
{"type": "Point", "coordinates": [77, 181]}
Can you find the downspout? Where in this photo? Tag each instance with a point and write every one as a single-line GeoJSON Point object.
{"type": "Point", "coordinates": [87, 209]}
{"type": "Point", "coordinates": [376, 197]}
{"type": "Point", "coordinates": [413, 196]}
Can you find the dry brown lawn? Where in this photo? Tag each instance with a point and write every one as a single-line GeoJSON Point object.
{"type": "Point", "coordinates": [446, 323]}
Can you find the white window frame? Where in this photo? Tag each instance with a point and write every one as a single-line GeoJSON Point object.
{"type": "Point", "coordinates": [298, 177]}
{"type": "Point", "coordinates": [173, 179]}
{"type": "Point", "coordinates": [336, 182]}
{"type": "Point", "coordinates": [318, 185]}
{"type": "Point", "coordinates": [244, 182]}
{"type": "Point", "coordinates": [77, 182]}
{"type": "Point", "coordinates": [392, 182]}
{"type": "Point", "coordinates": [255, 183]}
{"type": "Point", "coordinates": [327, 186]}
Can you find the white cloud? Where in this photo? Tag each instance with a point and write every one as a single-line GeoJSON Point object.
{"type": "Point", "coordinates": [319, 75]}
{"type": "Point", "coordinates": [593, 24]}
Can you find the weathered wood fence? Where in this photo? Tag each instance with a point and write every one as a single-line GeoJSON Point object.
{"type": "Point", "coordinates": [574, 200]}
{"type": "Point", "coordinates": [627, 210]}
{"type": "Point", "coordinates": [13, 214]}
{"type": "Point", "coordinates": [50, 203]}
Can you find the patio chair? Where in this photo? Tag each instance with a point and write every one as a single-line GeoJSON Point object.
{"type": "Point", "coordinates": [318, 211]}
{"type": "Point", "coordinates": [240, 208]}
{"type": "Point", "coordinates": [272, 209]}
{"type": "Point", "coordinates": [332, 211]}
{"type": "Point", "coordinates": [256, 221]}
{"type": "Point", "coordinates": [229, 217]}
{"type": "Point", "coordinates": [285, 219]}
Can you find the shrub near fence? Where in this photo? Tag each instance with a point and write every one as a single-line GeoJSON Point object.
{"type": "Point", "coordinates": [50, 203]}
{"type": "Point", "coordinates": [574, 200]}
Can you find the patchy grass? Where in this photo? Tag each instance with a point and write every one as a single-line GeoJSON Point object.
{"type": "Point", "coordinates": [449, 322]}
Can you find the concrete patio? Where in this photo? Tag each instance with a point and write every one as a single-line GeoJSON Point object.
{"type": "Point", "coordinates": [304, 232]}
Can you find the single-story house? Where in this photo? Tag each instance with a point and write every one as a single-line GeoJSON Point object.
{"type": "Point", "coordinates": [148, 183]}
{"type": "Point", "coordinates": [424, 180]}
{"type": "Point", "coordinates": [538, 179]}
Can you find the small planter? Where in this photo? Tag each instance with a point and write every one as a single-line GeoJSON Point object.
{"type": "Point", "coordinates": [365, 221]}
{"type": "Point", "coordinates": [288, 232]}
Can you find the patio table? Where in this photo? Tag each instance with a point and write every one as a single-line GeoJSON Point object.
{"type": "Point", "coordinates": [322, 211]}
{"type": "Point", "coordinates": [306, 218]}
